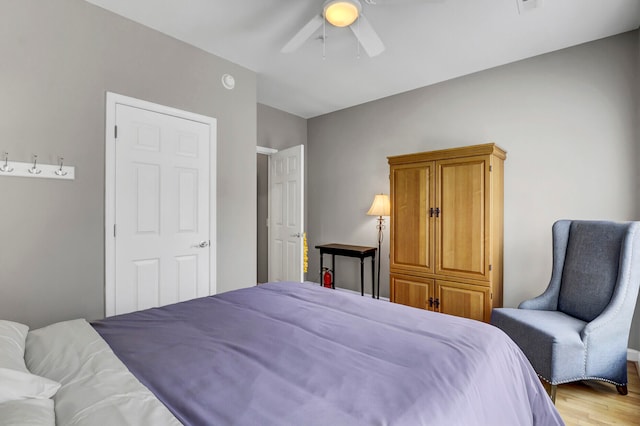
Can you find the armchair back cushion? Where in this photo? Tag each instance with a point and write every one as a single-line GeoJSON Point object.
{"type": "Point", "coordinates": [590, 270]}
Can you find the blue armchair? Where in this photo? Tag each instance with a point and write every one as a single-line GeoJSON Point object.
{"type": "Point", "coordinates": [578, 329]}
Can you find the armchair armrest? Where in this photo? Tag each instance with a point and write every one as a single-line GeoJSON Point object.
{"type": "Point", "coordinates": [605, 340]}
{"type": "Point", "coordinates": [544, 302]}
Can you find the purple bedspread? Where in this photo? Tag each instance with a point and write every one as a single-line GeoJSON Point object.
{"type": "Point", "coordinates": [300, 354]}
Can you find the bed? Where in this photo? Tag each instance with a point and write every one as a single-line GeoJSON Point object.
{"type": "Point", "coordinates": [286, 354]}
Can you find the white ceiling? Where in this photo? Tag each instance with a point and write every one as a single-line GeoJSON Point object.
{"type": "Point", "coordinates": [427, 41]}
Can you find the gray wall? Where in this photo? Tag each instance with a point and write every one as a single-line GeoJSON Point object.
{"type": "Point", "coordinates": [58, 60]}
{"type": "Point", "coordinates": [278, 130]}
{"type": "Point", "coordinates": [567, 119]}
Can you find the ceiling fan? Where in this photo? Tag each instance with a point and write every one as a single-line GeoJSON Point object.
{"type": "Point", "coordinates": [341, 13]}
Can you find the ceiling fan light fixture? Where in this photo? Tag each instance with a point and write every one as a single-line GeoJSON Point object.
{"type": "Point", "coordinates": [341, 13]}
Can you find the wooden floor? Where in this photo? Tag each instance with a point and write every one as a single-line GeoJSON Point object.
{"type": "Point", "coordinates": [598, 403]}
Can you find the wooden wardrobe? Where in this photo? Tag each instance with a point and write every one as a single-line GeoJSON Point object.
{"type": "Point", "coordinates": [447, 230]}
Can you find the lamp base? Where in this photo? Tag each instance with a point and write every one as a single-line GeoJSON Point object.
{"type": "Point", "coordinates": [380, 227]}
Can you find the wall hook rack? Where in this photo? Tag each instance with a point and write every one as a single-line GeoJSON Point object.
{"type": "Point", "coordinates": [36, 170]}
{"type": "Point", "coordinates": [60, 171]}
{"type": "Point", "coordinates": [5, 167]}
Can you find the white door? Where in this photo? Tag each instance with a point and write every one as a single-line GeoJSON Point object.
{"type": "Point", "coordinates": [286, 211]}
{"type": "Point", "coordinates": [162, 208]}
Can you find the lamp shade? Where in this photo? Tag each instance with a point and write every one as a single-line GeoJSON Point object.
{"type": "Point", "coordinates": [341, 13]}
{"type": "Point", "coordinates": [381, 206]}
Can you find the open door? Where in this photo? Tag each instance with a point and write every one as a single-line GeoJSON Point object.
{"type": "Point", "coordinates": [286, 214]}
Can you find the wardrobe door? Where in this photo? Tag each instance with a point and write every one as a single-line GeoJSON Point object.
{"type": "Point", "coordinates": [463, 300]}
{"type": "Point", "coordinates": [412, 224]}
{"type": "Point", "coordinates": [462, 226]}
{"type": "Point", "coordinates": [412, 291]}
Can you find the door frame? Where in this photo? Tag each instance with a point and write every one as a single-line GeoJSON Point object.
{"type": "Point", "coordinates": [269, 152]}
{"type": "Point", "coordinates": [266, 152]}
{"type": "Point", "coordinates": [113, 99]}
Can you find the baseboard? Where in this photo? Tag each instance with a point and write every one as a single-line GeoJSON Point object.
{"type": "Point", "coordinates": [634, 356]}
{"type": "Point", "coordinates": [348, 290]}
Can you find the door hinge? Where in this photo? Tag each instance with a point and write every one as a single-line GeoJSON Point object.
{"type": "Point", "coordinates": [490, 168]}
{"type": "Point", "coordinates": [115, 132]}
{"type": "Point", "coordinates": [490, 267]}
{"type": "Point", "coordinates": [114, 230]}
{"type": "Point", "coordinates": [491, 296]}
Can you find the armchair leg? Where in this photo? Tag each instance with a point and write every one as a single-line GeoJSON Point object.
{"type": "Point", "coordinates": [552, 393]}
{"type": "Point", "coordinates": [622, 390]}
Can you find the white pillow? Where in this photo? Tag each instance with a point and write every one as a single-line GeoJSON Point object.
{"type": "Point", "coordinates": [16, 385]}
{"type": "Point", "coordinates": [16, 382]}
{"type": "Point", "coordinates": [97, 388]}
{"type": "Point", "coordinates": [12, 343]}
{"type": "Point", "coordinates": [32, 412]}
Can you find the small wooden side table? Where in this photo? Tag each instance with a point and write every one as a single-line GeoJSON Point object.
{"type": "Point", "coordinates": [360, 252]}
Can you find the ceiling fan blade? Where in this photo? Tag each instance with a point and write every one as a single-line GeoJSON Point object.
{"type": "Point", "coordinates": [367, 36]}
{"type": "Point", "coordinates": [304, 33]}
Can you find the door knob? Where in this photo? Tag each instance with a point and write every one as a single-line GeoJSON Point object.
{"type": "Point", "coordinates": [298, 235]}
{"type": "Point", "coordinates": [203, 244]}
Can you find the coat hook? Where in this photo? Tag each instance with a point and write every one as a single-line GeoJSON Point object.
{"type": "Point", "coordinates": [35, 170]}
{"type": "Point", "coordinates": [5, 167]}
{"type": "Point", "coordinates": [59, 171]}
